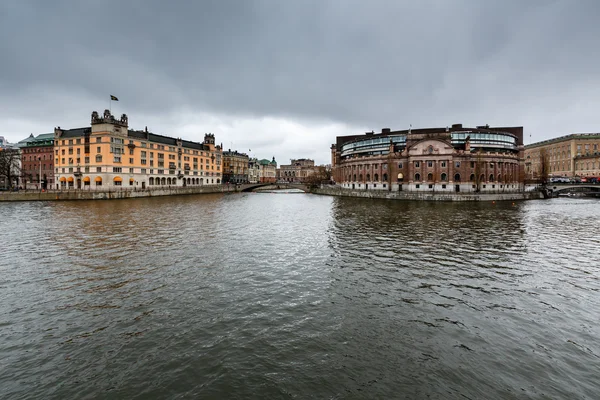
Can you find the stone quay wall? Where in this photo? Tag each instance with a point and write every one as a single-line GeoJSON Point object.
{"type": "Point", "coordinates": [52, 195]}
{"type": "Point", "coordinates": [420, 196]}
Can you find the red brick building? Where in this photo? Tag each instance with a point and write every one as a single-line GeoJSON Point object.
{"type": "Point", "coordinates": [37, 161]}
{"type": "Point", "coordinates": [451, 159]}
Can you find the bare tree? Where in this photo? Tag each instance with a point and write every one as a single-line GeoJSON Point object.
{"type": "Point", "coordinates": [320, 175]}
{"type": "Point", "coordinates": [544, 166]}
{"type": "Point", "coordinates": [10, 170]}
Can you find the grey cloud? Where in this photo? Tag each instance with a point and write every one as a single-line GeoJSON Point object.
{"type": "Point", "coordinates": [366, 64]}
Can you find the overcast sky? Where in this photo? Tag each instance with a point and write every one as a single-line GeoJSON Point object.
{"type": "Point", "coordinates": [284, 78]}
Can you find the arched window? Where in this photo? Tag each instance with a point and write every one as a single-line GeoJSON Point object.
{"type": "Point", "coordinates": [151, 181]}
{"type": "Point", "coordinates": [444, 177]}
{"type": "Point", "coordinates": [376, 177]}
{"type": "Point", "coordinates": [385, 177]}
{"type": "Point", "coordinates": [457, 178]}
{"type": "Point", "coordinates": [400, 177]}
{"type": "Point", "coordinates": [360, 177]}
{"type": "Point", "coordinates": [163, 181]}
{"type": "Point", "coordinates": [368, 177]}
{"type": "Point", "coordinates": [417, 177]}
{"type": "Point", "coordinates": [354, 178]}
{"type": "Point", "coordinates": [218, 181]}
{"type": "Point", "coordinates": [482, 178]}
{"type": "Point", "coordinates": [491, 177]}
{"type": "Point", "coordinates": [472, 178]}
{"type": "Point", "coordinates": [430, 176]}
{"type": "Point", "coordinates": [499, 178]}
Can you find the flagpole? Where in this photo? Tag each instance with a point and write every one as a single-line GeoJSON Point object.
{"type": "Point", "coordinates": [110, 105]}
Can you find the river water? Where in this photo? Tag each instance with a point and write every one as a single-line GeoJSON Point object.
{"type": "Point", "coordinates": [280, 295]}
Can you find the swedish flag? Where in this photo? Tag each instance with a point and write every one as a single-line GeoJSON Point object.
{"type": "Point", "coordinates": [114, 98]}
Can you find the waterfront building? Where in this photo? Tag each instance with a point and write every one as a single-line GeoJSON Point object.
{"type": "Point", "coordinates": [297, 171]}
{"type": "Point", "coordinates": [37, 161]}
{"type": "Point", "coordinates": [253, 170]}
{"type": "Point", "coordinates": [267, 171]}
{"type": "Point", "coordinates": [3, 142]}
{"type": "Point", "coordinates": [235, 167]}
{"type": "Point", "coordinates": [451, 159]}
{"type": "Point", "coordinates": [572, 155]}
{"type": "Point", "coordinates": [10, 166]}
{"type": "Point", "coordinates": [108, 155]}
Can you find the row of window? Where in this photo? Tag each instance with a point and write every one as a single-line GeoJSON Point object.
{"type": "Point", "coordinates": [132, 171]}
{"type": "Point", "coordinates": [417, 177]}
{"type": "Point", "coordinates": [151, 181]}
{"type": "Point", "coordinates": [121, 141]}
{"type": "Point", "coordinates": [37, 158]}
{"type": "Point", "coordinates": [381, 144]}
{"type": "Point", "coordinates": [429, 165]}
{"type": "Point", "coordinates": [120, 150]}
{"type": "Point", "coordinates": [117, 159]}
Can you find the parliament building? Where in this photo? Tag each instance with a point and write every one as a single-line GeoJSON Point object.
{"type": "Point", "coordinates": [452, 159]}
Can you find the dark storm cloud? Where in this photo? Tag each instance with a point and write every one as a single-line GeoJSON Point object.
{"type": "Point", "coordinates": [366, 64]}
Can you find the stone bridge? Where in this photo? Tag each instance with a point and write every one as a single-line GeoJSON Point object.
{"type": "Point", "coordinates": [585, 188]}
{"type": "Point", "coordinates": [257, 187]}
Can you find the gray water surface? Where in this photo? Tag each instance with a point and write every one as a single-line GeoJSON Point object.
{"type": "Point", "coordinates": [279, 295]}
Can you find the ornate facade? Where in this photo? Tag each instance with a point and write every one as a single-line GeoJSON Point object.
{"type": "Point", "coordinates": [37, 161]}
{"type": "Point", "coordinates": [575, 155]}
{"type": "Point", "coordinates": [108, 155]}
{"type": "Point", "coordinates": [297, 171]}
{"type": "Point", "coordinates": [253, 171]}
{"type": "Point", "coordinates": [267, 171]}
{"type": "Point", "coordinates": [235, 167]}
{"type": "Point", "coordinates": [451, 159]}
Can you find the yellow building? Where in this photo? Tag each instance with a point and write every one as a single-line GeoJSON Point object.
{"type": "Point", "coordinates": [572, 155]}
{"type": "Point", "coordinates": [109, 156]}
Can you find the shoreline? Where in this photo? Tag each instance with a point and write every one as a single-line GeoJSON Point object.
{"type": "Point", "coordinates": [78, 194]}
{"type": "Point", "coordinates": [428, 196]}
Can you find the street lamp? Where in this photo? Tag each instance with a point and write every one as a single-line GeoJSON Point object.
{"type": "Point", "coordinates": [40, 174]}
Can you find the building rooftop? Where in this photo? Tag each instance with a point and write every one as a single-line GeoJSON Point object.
{"type": "Point", "coordinates": [564, 138]}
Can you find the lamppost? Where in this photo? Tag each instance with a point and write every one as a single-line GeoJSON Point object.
{"type": "Point", "coordinates": [40, 174]}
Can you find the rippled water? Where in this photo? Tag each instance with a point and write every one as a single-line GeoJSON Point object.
{"type": "Point", "coordinates": [299, 296]}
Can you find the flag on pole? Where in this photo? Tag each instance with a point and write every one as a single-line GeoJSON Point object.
{"type": "Point", "coordinates": [114, 98]}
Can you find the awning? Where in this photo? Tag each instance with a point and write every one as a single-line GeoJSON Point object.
{"type": "Point", "coordinates": [118, 179]}
{"type": "Point", "coordinates": [98, 179]}
{"type": "Point", "coordinates": [130, 179]}
{"type": "Point", "coordinates": [63, 179]}
{"type": "Point", "coordinates": [86, 179]}
{"type": "Point", "coordinates": [400, 176]}
{"type": "Point", "coordinates": [70, 179]}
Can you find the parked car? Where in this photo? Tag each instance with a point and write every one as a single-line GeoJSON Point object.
{"type": "Point", "coordinates": [559, 179]}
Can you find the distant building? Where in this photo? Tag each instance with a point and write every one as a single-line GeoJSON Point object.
{"type": "Point", "coordinates": [451, 159]}
{"type": "Point", "coordinates": [37, 161]}
{"type": "Point", "coordinates": [108, 155]}
{"type": "Point", "coordinates": [267, 171]}
{"type": "Point", "coordinates": [297, 171]}
{"type": "Point", "coordinates": [3, 142]}
{"type": "Point", "coordinates": [253, 171]}
{"type": "Point", "coordinates": [10, 167]}
{"type": "Point", "coordinates": [572, 155]}
{"type": "Point", "coordinates": [235, 167]}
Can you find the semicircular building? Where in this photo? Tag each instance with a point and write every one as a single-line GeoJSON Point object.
{"type": "Point", "coordinates": [451, 159]}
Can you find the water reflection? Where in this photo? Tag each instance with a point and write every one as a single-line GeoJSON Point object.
{"type": "Point", "coordinates": [291, 295]}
